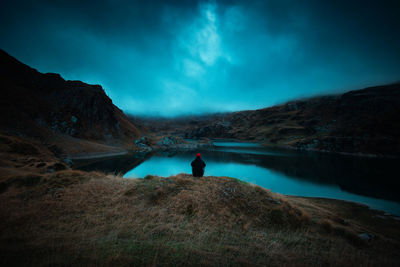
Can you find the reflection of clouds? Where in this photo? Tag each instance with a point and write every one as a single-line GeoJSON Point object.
{"type": "Point", "coordinates": [161, 166]}
{"type": "Point", "coordinates": [254, 173]}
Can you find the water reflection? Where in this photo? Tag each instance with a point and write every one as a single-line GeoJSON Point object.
{"type": "Point", "coordinates": [367, 180]}
{"type": "Point", "coordinates": [235, 144]}
{"type": "Point", "coordinates": [116, 165]}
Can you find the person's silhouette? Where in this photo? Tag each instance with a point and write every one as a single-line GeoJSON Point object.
{"type": "Point", "coordinates": [198, 166]}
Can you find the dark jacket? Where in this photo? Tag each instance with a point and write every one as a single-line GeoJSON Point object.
{"type": "Point", "coordinates": [198, 167]}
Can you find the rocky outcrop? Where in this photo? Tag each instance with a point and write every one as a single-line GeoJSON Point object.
{"type": "Point", "coordinates": [214, 130]}
{"type": "Point", "coordinates": [170, 143]}
{"type": "Point", "coordinates": [36, 104]}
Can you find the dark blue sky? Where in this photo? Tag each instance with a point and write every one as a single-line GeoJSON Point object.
{"type": "Point", "coordinates": [182, 57]}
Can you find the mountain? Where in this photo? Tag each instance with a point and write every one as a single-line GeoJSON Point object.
{"type": "Point", "coordinates": [47, 107]}
{"type": "Point", "coordinates": [361, 121]}
{"type": "Point", "coordinates": [53, 110]}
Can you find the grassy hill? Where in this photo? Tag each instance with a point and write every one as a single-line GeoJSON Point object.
{"type": "Point", "coordinates": [79, 218]}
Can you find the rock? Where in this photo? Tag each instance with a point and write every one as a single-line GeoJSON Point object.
{"type": "Point", "coordinates": [143, 144]}
{"type": "Point", "coordinates": [68, 161]}
{"type": "Point", "coordinates": [57, 167]}
{"type": "Point", "coordinates": [41, 122]}
{"type": "Point", "coordinates": [166, 141]}
{"type": "Point", "coordinates": [40, 165]}
{"type": "Point", "coordinates": [74, 119]}
{"type": "Point", "coordinates": [277, 202]}
{"type": "Point", "coordinates": [144, 148]}
{"type": "Point", "coordinates": [366, 236]}
{"type": "Point", "coordinates": [292, 107]}
{"type": "Point", "coordinates": [56, 150]}
{"type": "Point", "coordinates": [142, 140]}
{"type": "Point", "coordinates": [64, 125]}
{"type": "Point", "coordinates": [140, 145]}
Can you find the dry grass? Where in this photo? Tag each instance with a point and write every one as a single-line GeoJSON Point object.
{"type": "Point", "coordinates": [79, 218]}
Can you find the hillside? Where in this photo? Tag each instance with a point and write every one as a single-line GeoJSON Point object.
{"type": "Point", "coordinates": [78, 218]}
{"type": "Point", "coordinates": [71, 115]}
{"type": "Point", "coordinates": [363, 121]}
{"type": "Point", "coordinates": [54, 216]}
{"type": "Point", "coordinates": [51, 215]}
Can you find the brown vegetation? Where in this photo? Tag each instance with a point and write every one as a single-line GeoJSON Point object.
{"type": "Point", "coordinates": [78, 218]}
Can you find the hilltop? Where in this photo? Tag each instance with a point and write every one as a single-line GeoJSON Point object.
{"type": "Point", "coordinates": [79, 218]}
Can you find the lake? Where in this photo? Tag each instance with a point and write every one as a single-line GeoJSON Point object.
{"type": "Point", "coordinates": [371, 181]}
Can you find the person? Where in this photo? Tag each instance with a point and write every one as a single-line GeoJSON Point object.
{"type": "Point", "coordinates": [198, 166]}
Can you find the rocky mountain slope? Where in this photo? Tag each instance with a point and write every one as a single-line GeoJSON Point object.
{"type": "Point", "coordinates": [49, 108]}
{"type": "Point", "coordinates": [362, 121]}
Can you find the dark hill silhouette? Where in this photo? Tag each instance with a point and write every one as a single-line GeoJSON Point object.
{"type": "Point", "coordinates": [42, 105]}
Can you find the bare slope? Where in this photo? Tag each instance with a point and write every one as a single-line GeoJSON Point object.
{"type": "Point", "coordinates": [49, 108]}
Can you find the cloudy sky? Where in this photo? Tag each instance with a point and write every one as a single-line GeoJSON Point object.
{"type": "Point", "coordinates": [179, 57]}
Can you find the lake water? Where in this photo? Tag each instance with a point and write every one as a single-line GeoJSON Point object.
{"type": "Point", "coordinates": [371, 181]}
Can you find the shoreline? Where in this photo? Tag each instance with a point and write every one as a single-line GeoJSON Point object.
{"type": "Point", "coordinates": [104, 156]}
{"type": "Point", "coordinates": [355, 154]}
{"type": "Point", "coordinates": [96, 155]}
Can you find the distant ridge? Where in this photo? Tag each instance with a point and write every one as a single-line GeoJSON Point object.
{"type": "Point", "coordinates": [365, 121]}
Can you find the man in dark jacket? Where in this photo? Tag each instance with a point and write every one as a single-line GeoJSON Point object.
{"type": "Point", "coordinates": [198, 166]}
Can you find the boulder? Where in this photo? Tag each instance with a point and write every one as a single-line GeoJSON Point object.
{"type": "Point", "coordinates": [366, 236]}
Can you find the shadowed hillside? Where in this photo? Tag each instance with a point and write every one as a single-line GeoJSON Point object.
{"type": "Point", "coordinates": [47, 107]}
